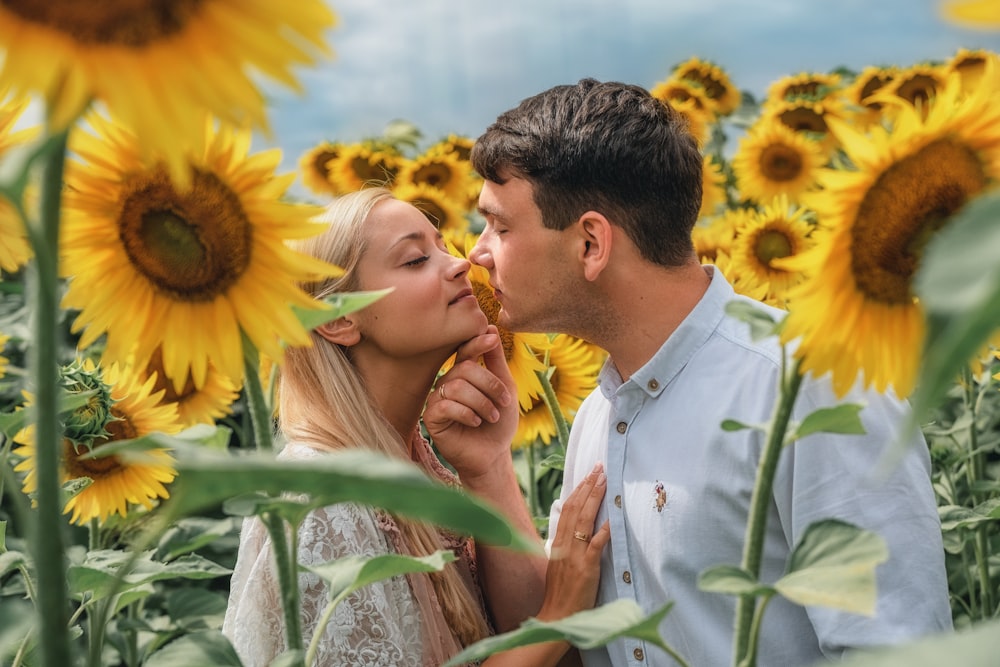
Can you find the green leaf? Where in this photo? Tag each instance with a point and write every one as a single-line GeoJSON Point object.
{"type": "Point", "coordinates": [958, 284]}
{"type": "Point", "coordinates": [191, 534]}
{"type": "Point", "coordinates": [978, 646]}
{"type": "Point", "coordinates": [98, 574]}
{"type": "Point", "coordinates": [17, 618]}
{"type": "Point", "coordinates": [338, 306]}
{"type": "Point", "coordinates": [201, 435]}
{"type": "Point", "coordinates": [207, 478]}
{"type": "Point", "coordinates": [553, 462]}
{"type": "Point", "coordinates": [196, 607]}
{"type": "Point", "coordinates": [731, 580]}
{"type": "Point", "coordinates": [842, 418]}
{"type": "Point", "coordinates": [733, 425]}
{"type": "Point", "coordinates": [586, 629]}
{"type": "Point", "coordinates": [761, 323]}
{"type": "Point", "coordinates": [348, 574]}
{"type": "Point", "coordinates": [833, 565]}
{"type": "Point", "coordinates": [954, 517]}
{"type": "Point", "coordinates": [199, 649]}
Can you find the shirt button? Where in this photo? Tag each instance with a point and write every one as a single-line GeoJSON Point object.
{"type": "Point", "coordinates": [639, 655]}
{"type": "Point", "coordinates": [618, 501]}
{"type": "Point", "coordinates": [622, 426]}
{"type": "Point", "coordinates": [627, 577]}
{"type": "Point", "coordinates": [653, 385]}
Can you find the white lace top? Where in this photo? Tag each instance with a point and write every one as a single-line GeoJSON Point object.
{"type": "Point", "coordinates": [394, 622]}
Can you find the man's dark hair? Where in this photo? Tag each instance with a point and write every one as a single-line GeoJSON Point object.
{"type": "Point", "coordinates": [609, 147]}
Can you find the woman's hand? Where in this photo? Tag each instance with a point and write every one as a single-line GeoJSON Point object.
{"type": "Point", "coordinates": [575, 560]}
{"type": "Point", "coordinates": [472, 413]}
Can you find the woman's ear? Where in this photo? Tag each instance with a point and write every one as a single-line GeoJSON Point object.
{"type": "Point", "coordinates": [595, 247]}
{"type": "Point", "coordinates": [341, 331]}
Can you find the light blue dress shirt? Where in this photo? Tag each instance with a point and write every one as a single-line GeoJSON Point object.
{"type": "Point", "coordinates": [679, 493]}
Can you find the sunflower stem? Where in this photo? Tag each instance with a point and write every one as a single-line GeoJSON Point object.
{"type": "Point", "coordinates": [288, 580]}
{"type": "Point", "coordinates": [257, 403]}
{"type": "Point", "coordinates": [975, 470]}
{"type": "Point", "coordinates": [552, 403]}
{"type": "Point", "coordinates": [532, 480]}
{"type": "Point", "coordinates": [48, 532]}
{"type": "Point", "coordinates": [745, 646]}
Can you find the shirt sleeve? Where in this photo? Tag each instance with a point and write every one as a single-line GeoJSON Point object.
{"type": "Point", "coordinates": [378, 625]}
{"type": "Point", "coordinates": [894, 500]}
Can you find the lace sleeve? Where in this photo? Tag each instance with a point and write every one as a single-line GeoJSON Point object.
{"type": "Point", "coordinates": [377, 626]}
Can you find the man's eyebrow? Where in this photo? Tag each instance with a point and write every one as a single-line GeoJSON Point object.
{"type": "Point", "coordinates": [490, 212]}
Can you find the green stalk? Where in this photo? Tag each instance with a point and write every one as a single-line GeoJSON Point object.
{"type": "Point", "coordinates": [288, 580]}
{"type": "Point", "coordinates": [552, 403]}
{"type": "Point", "coordinates": [760, 500]}
{"type": "Point", "coordinates": [47, 537]}
{"type": "Point", "coordinates": [532, 480]}
{"type": "Point", "coordinates": [975, 471]}
{"type": "Point", "coordinates": [257, 404]}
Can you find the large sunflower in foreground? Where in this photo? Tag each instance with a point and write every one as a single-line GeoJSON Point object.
{"type": "Point", "coordinates": [152, 266]}
{"type": "Point", "coordinates": [158, 66]}
{"type": "Point", "coordinates": [14, 247]}
{"type": "Point", "coordinates": [117, 482]}
{"type": "Point", "coordinates": [772, 160]}
{"type": "Point", "coordinates": [574, 365]}
{"type": "Point", "coordinates": [858, 312]}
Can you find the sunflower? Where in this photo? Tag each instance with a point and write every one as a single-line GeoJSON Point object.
{"type": "Point", "coordinates": [443, 211]}
{"type": "Point", "coordinates": [188, 270]}
{"type": "Point", "coordinates": [773, 160]}
{"type": "Point", "coordinates": [984, 14]}
{"type": "Point", "coordinates": [812, 86]}
{"type": "Point", "coordinates": [673, 90]}
{"type": "Point", "coordinates": [713, 187]}
{"type": "Point", "coordinates": [314, 166]}
{"type": "Point", "coordinates": [718, 87]}
{"type": "Point", "coordinates": [776, 231]}
{"type": "Point", "coordinates": [520, 349]}
{"type": "Point", "coordinates": [362, 165]}
{"type": "Point", "coordinates": [715, 236]}
{"type": "Point", "coordinates": [158, 67]}
{"type": "Point", "coordinates": [970, 65]}
{"type": "Point", "coordinates": [14, 247]}
{"type": "Point", "coordinates": [195, 405]}
{"type": "Point", "coordinates": [117, 482]}
{"type": "Point", "coordinates": [918, 84]}
{"type": "Point", "coordinates": [742, 283]}
{"type": "Point", "coordinates": [858, 312]}
{"type": "Point", "coordinates": [574, 364]}
{"type": "Point", "coordinates": [453, 144]}
{"type": "Point", "coordinates": [443, 171]}
{"type": "Point", "coordinates": [860, 95]}
{"type": "Point", "coordinates": [807, 118]}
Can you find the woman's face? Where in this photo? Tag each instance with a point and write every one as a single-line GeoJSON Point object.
{"type": "Point", "coordinates": [432, 307]}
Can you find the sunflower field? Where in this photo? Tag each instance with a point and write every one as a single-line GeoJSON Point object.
{"type": "Point", "coordinates": [147, 293]}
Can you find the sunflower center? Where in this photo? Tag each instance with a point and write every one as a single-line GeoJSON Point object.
{"type": "Point", "coordinates": [163, 382]}
{"type": "Point", "coordinates": [896, 219]}
{"type": "Point", "coordinates": [871, 86]}
{"type": "Point", "coordinates": [192, 246]}
{"type": "Point", "coordinates": [779, 162]}
{"type": "Point", "coordinates": [771, 244]}
{"type": "Point", "coordinates": [322, 162]}
{"type": "Point", "coordinates": [491, 308]}
{"type": "Point", "coordinates": [435, 174]}
{"type": "Point", "coordinates": [918, 89]}
{"type": "Point", "coordinates": [132, 23]}
{"type": "Point", "coordinates": [803, 119]}
{"type": "Point", "coordinates": [119, 428]}
{"type": "Point", "coordinates": [713, 89]}
{"type": "Point", "coordinates": [372, 170]}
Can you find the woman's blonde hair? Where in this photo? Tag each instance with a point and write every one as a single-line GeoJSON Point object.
{"type": "Point", "coordinates": [323, 399]}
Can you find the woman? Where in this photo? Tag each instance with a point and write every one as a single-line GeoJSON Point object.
{"type": "Point", "coordinates": [364, 382]}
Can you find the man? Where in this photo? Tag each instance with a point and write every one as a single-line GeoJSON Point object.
{"type": "Point", "coordinates": [590, 195]}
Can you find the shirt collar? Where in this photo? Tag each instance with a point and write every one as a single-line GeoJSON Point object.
{"type": "Point", "coordinates": [673, 355]}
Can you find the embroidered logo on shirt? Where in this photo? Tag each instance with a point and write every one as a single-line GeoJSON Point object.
{"type": "Point", "coordinates": [659, 496]}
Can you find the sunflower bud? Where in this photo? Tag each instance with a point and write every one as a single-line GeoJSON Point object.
{"type": "Point", "coordinates": [86, 423]}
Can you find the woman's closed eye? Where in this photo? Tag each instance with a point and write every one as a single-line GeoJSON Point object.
{"type": "Point", "coordinates": [418, 261]}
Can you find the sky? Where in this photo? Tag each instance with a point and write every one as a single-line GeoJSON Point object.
{"type": "Point", "coordinates": [451, 66]}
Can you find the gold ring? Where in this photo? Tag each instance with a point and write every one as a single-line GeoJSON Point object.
{"type": "Point", "coordinates": [441, 391]}
{"type": "Point", "coordinates": [583, 537]}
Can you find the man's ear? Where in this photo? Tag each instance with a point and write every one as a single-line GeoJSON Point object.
{"type": "Point", "coordinates": [342, 331]}
{"type": "Point", "coordinates": [595, 247]}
